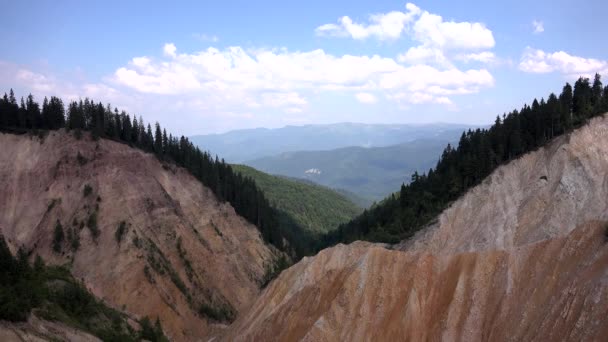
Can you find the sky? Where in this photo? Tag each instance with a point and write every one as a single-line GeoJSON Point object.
{"type": "Point", "coordinates": [212, 66]}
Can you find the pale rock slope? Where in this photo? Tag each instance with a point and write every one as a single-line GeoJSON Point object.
{"type": "Point", "coordinates": [181, 246]}
{"type": "Point", "coordinates": [521, 257]}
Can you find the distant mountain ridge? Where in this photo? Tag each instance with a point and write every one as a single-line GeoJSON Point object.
{"type": "Point", "coordinates": [247, 144]}
{"type": "Point", "coordinates": [370, 173]}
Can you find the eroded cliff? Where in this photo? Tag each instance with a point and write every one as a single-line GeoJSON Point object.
{"type": "Point", "coordinates": [522, 256]}
{"type": "Point", "coordinates": [144, 236]}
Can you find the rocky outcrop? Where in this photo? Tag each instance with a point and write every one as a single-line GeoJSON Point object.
{"type": "Point", "coordinates": [144, 236]}
{"type": "Point", "coordinates": [521, 257]}
{"type": "Point", "coordinates": [39, 330]}
{"type": "Point", "coordinates": [541, 195]}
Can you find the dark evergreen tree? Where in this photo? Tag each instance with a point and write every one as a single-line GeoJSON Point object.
{"type": "Point", "coordinates": [158, 140]}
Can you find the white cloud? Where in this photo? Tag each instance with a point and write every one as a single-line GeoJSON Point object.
{"type": "Point", "coordinates": [283, 99]}
{"type": "Point", "coordinates": [169, 49]}
{"type": "Point", "coordinates": [430, 29]}
{"type": "Point", "coordinates": [538, 27]}
{"type": "Point", "coordinates": [366, 98]}
{"type": "Point", "coordinates": [539, 61]}
{"type": "Point", "coordinates": [38, 82]}
{"type": "Point", "coordinates": [422, 26]}
{"type": "Point", "coordinates": [483, 57]}
{"type": "Point", "coordinates": [424, 54]}
{"type": "Point", "coordinates": [381, 26]}
{"type": "Point", "coordinates": [280, 78]}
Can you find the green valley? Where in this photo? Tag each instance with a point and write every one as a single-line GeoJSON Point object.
{"type": "Point", "coordinates": [313, 207]}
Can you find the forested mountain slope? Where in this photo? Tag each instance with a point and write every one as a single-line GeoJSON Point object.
{"type": "Point", "coordinates": [371, 173]}
{"type": "Point", "coordinates": [316, 208]}
{"type": "Point", "coordinates": [478, 154]}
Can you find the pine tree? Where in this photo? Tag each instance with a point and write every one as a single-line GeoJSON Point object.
{"type": "Point", "coordinates": [596, 94]}
{"type": "Point", "coordinates": [565, 100]}
{"type": "Point", "coordinates": [158, 140]}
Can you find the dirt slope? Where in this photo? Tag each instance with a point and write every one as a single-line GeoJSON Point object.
{"type": "Point", "coordinates": [180, 246]}
{"type": "Point", "coordinates": [518, 258]}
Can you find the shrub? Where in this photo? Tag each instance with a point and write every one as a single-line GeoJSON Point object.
{"type": "Point", "coordinates": [58, 237]}
{"type": "Point", "coordinates": [87, 190]}
{"type": "Point", "coordinates": [81, 159]}
{"type": "Point", "coordinates": [120, 231]}
{"type": "Point", "coordinates": [221, 313]}
{"type": "Point", "coordinates": [152, 333]}
{"type": "Point", "coordinates": [92, 225]}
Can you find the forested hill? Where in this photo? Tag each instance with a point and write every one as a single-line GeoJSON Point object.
{"type": "Point", "coordinates": [103, 122]}
{"type": "Point", "coordinates": [314, 207]}
{"type": "Point", "coordinates": [478, 153]}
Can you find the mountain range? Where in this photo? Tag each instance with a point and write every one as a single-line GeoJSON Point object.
{"type": "Point", "coordinates": [241, 145]}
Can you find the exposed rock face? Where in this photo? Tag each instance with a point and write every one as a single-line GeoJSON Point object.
{"type": "Point", "coordinates": [518, 258]}
{"type": "Point", "coordinates": [180, 247]}
{"type": "Point", "coordinates": [37, 330]}
{"type": "Point", "coordinates": [542, 195]}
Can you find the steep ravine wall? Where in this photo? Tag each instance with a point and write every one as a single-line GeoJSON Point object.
{"type": "Point", "coordinates": [521, 257]}
{"type": "Point", "coordinates": [181, 246]}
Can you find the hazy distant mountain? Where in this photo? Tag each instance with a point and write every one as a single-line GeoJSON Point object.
{"type": "Point", "coordinates": [371, 173]}
{"type": "Point", "coordinates": [241, 145]}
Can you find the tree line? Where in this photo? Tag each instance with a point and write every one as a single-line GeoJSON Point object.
{"type": "Point", "coordinates": [103, 122]}
{"type": "Point", "coordinates": [479, 152]}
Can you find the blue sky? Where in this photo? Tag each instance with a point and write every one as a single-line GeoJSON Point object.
{"type": "Point", "coordinates": [204, 67]}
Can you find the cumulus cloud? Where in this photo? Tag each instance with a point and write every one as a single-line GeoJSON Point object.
{"type": "Point", "coordinates": [381, 26]}
{"type": "Point", "coordinates": [430, 29]}
{"type": "Point", "coordinates": [366, 98]}
{"type": "Point", "coordinates": [539, 61]}
{"type": "Point", "coordinates": [421, 26]}
{"type": "Point", "coordinates": [538, 27]}
{"type": "Point", "coordinates": [169, 49]}
{"type": "Point", "coordinates": [424, 54]}
{"type": "Point", "coordinates": [279, 78]}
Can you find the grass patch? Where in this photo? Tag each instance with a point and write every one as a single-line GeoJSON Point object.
{"type": "Point", "coordinates": [184, 257]}
{"type": "Point", "coordinates": [162, 266]}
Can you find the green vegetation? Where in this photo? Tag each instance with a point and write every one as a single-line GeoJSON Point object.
{"type": "Point", "coordinates": [313, 207]}
{"type": "Point", "coordinates": [87, 190]}
{"type": "Point", "coordinates": [219, 313]}
{"type": "Point", "coordinates": [53, 203]}
{"type": "Point", "coordinates": [273, 270]}
{"type": "Point", "coordinates": [184, 257]}
{"type": "Point", "coordinates": [162, 266]}
{"type": "Point", "coordinates": [53, 294]}
{"type": "Point", "coordinates": [58, 237]}
{"type": "Point", "coordinates": [371, 173]}
{"type": "Point", "coordinates": [74, 238]}
{"type": "Point", "coordinates": [120, 231]}
{"type": "Point", "coordinates": [478, 153]}
{"type": "Point", "coordinates": [152, 333]}
{"type": "Point", "coordinates": [92, 225]}
{"type": "Point", "coordinates": [81, 159]}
